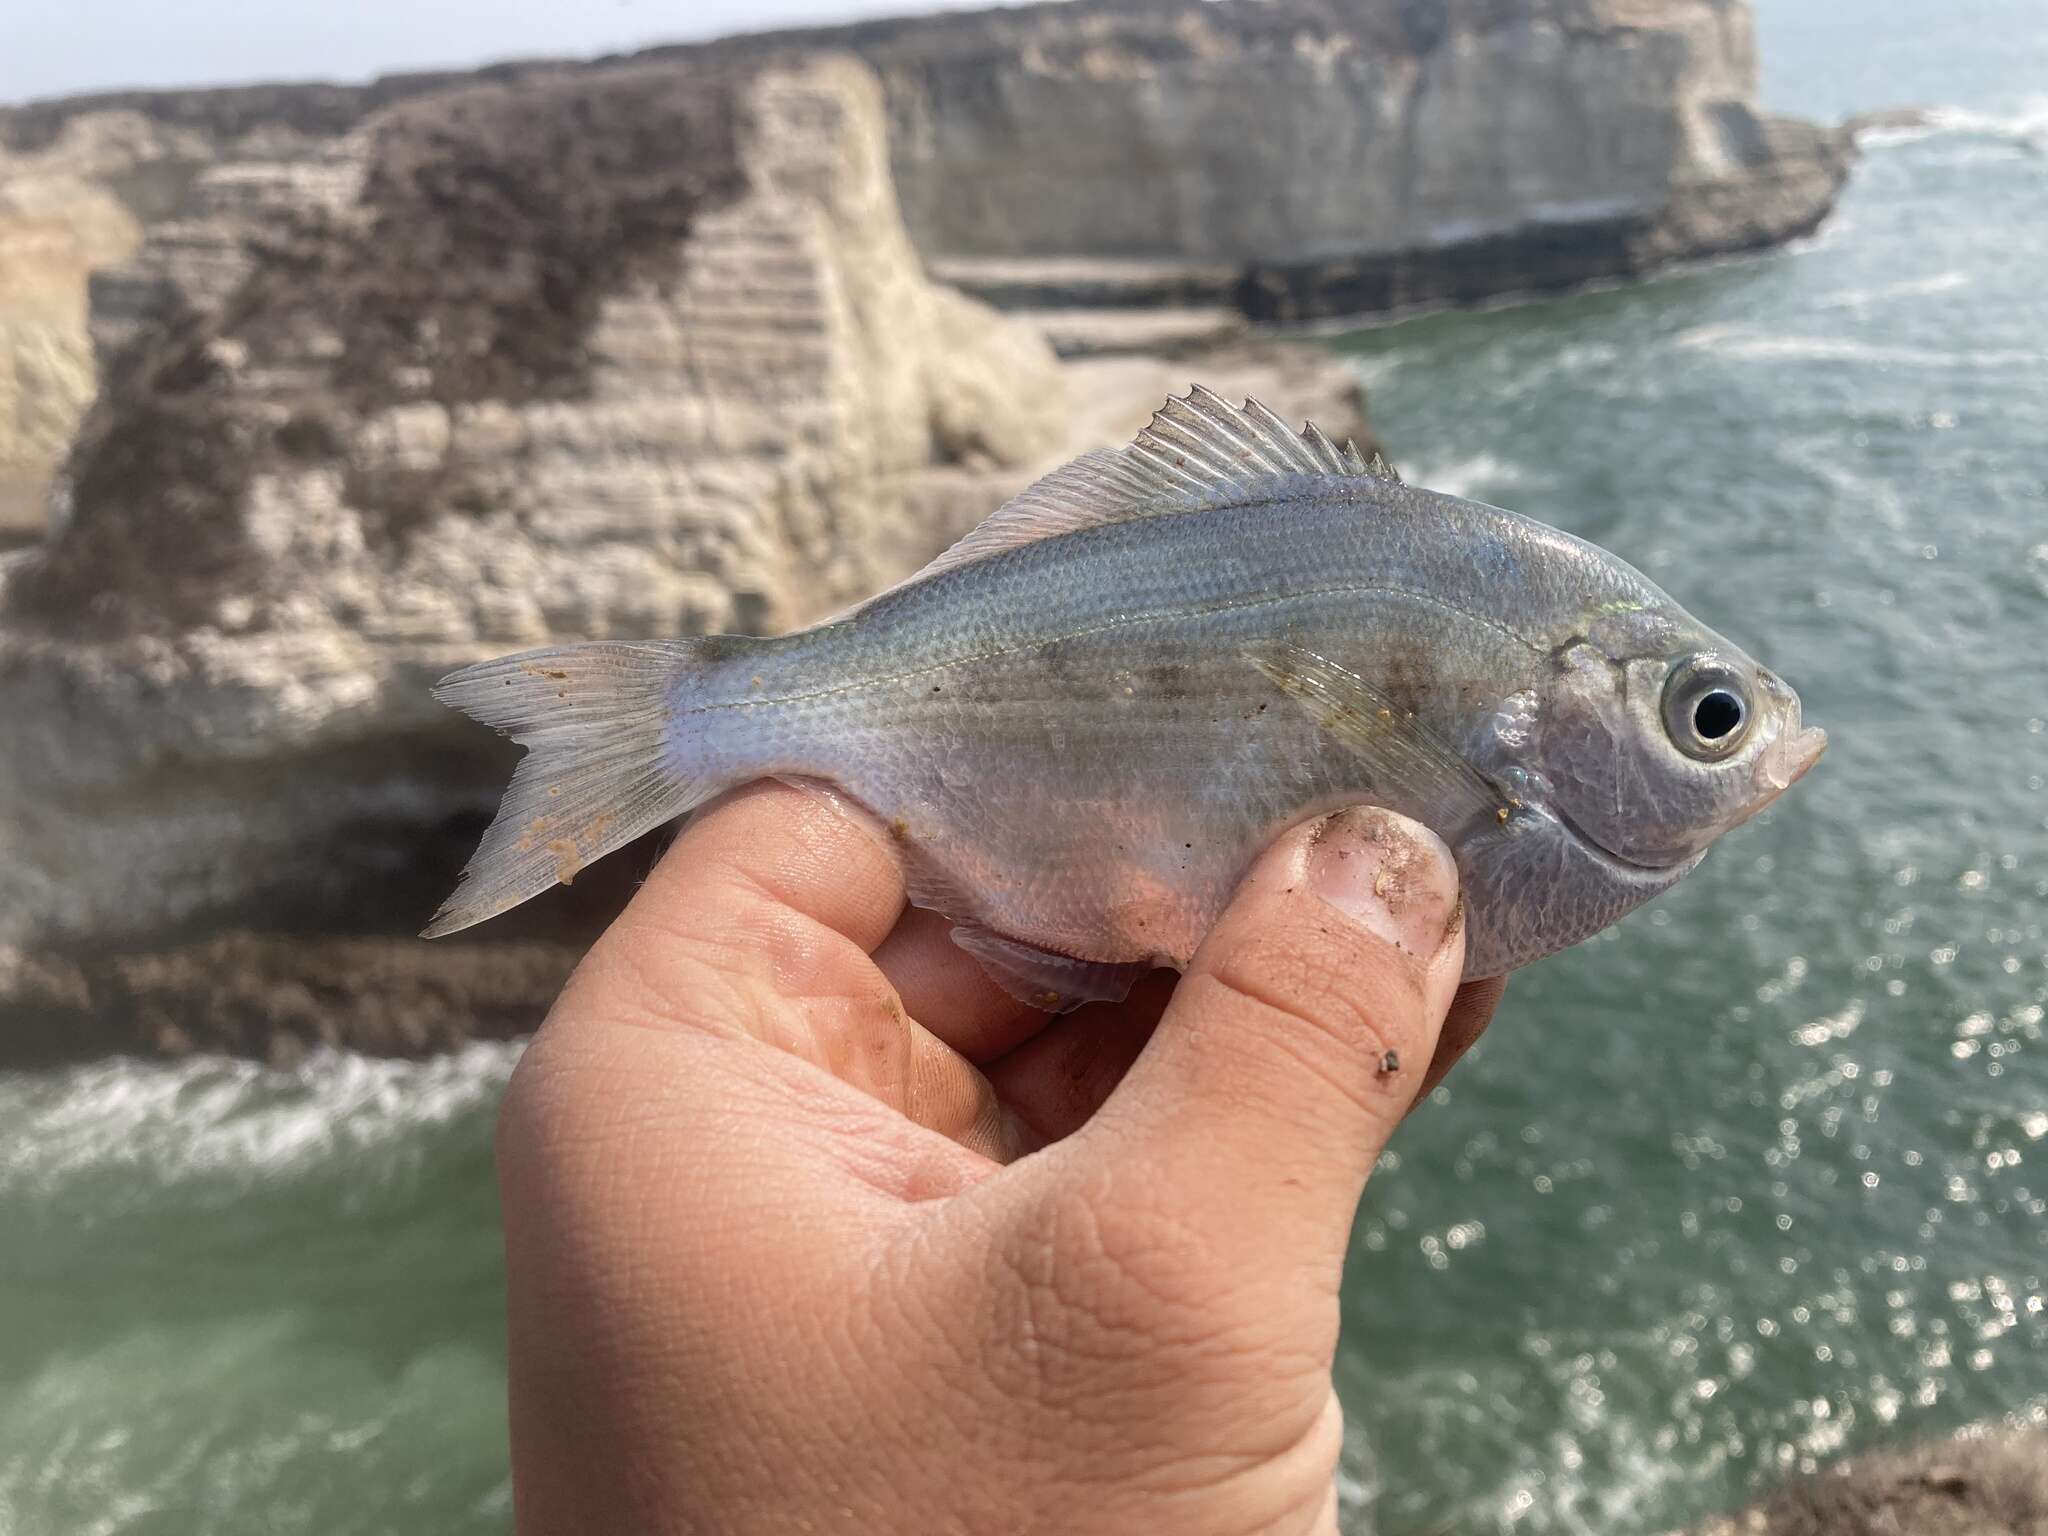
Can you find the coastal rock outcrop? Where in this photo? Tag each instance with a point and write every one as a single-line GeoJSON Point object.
{"type": "Point", "coordinates": [70, 208]}
{"type": "Point", "coordinates": [1135, 175]}
{"type": "Point", "coordinates": [1302, 158]}
{"type": "Point", "coordinates": [630, 352]}
{"type": "Point", "coordinates": [1989, 1481]}
{"type": "Point", "coordinates": [635, 354]}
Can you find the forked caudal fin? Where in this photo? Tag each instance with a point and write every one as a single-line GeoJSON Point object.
{"type": "Point", "coordinates": [598, 771]}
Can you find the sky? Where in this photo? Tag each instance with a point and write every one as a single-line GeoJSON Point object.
{"type": "Point", "coordinates": [61, 47]}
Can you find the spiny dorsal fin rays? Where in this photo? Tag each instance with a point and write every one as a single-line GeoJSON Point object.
{"type": "Point", "coordinates": [1235, 444]}
{"type": "Point", "coordinates": [1198, 451]}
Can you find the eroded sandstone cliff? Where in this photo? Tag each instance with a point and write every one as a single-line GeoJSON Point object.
{"type": "Point", "coordinates": [327, 390]}
{"type": "Point", "coordinates": [636, 352]}
{"type": "Point", "coordinates": [69, 208]}
{"type": "Point", "coordinates": [1303, 158]}
{"type": "Point", "coordinates": [640, 356]}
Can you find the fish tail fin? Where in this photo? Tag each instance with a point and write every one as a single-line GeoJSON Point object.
{"type": "Point", "coordinates": [599, 771]}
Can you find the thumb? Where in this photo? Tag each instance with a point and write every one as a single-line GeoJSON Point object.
{"type": "Point", "coordinates": [1298, 1037]}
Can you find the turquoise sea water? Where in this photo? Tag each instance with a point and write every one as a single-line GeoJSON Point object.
{"type": "Point", "coordinates": [1760, 1177]}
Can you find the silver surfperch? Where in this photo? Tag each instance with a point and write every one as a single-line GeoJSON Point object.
{"type": "Point", "coordinates": [1082, 722]}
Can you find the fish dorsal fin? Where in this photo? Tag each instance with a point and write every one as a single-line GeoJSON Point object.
{"type": "Point", "coordinates": [1197, 451]}
{"type": "Point", "coordinates": [1202, 449]}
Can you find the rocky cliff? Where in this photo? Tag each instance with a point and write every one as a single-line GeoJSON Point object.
{"type": "Point", "coordinates": [69, 208]}
{"type": "Point", "coordinates": [1288, 158]}
{"type": "Point", "coordinates": [324, 391]}
{"type": "Point", "coordinates": [1137, 174]}
{"type": "Point", "coordinates": [638, 351]}
{"type": "Point", "coordinates": [1299, 158]}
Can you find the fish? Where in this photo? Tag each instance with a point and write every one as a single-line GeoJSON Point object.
{"type": "Point", "coordinates": [1081, 723]}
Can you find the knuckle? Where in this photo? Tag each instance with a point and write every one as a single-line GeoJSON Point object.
{"type": "Point", "coordinates": [1337, 1010]}
{"type": "Point", "coordinates": [1106, 1324]}
{"type": "Point", "coordinates": [1112, 1274]}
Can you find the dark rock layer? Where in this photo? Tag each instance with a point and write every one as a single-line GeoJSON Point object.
{"type": "Point", "coordinates": [490, 226]}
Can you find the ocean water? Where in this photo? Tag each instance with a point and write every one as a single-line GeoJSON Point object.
{"type": "Point", "coordinates": [1759, 1178]}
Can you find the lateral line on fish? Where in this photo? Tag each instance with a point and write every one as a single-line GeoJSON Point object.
{"type": "Point", "coordinates": [1127, 621]}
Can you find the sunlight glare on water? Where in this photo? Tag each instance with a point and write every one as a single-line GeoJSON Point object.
{"type": "Point", "coordinates": [1762, 1175]}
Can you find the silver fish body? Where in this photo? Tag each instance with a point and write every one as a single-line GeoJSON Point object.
{"type": "Point", "coordinates": [1080, 738]}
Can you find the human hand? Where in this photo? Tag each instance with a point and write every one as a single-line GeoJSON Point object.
{"type": "Point", "coordinates": [777, 1260]}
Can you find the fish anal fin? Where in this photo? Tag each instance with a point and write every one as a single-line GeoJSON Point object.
{"type": "Point", "coordinates": [1409, 765]}
{"type": "Point", "coordinates": [1043, 979]}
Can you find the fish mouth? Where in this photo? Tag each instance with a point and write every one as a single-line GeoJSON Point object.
{"type": "Point", "coordinates": [1785, 762]}
{"type": "Point", "coordinates": [1807, 747]}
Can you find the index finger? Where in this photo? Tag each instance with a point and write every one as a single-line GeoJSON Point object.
{"type": "Point", "coordinates": [758, 925]}
{"type": "Point", "coordinates": [769, 884]}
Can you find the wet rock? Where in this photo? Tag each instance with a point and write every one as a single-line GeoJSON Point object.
{"type": "Point", "coordinates": [1983, 1483]}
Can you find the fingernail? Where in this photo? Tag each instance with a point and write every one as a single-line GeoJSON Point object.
{"type": "Point", "coordinates": [1387, 874]}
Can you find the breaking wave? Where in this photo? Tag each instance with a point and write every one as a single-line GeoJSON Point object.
{"type": "Point", "coordinates": [1468, 477]}
{"type": "Point", "coordinates": [211, 1116]}
{"type": "Point", "coordinates": [1910, 288]}
{"type": "Point", "coordinates": [1749, 343]}
{"type": "Point", "coordinates": [2025, 129]}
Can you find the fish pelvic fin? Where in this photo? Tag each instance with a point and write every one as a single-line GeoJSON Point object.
{"type": "Point", "coordinates": [1042, 979]}
{"type": "Point", "coordinates": [598, 772]}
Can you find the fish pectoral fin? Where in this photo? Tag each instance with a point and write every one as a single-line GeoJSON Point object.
{"type": "Point", "coordinates": [1410, 766]}
{"type": "Point", "coordinates": [1043, 978]}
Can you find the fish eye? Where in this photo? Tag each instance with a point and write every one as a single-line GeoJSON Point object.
{"type": "Point", "coordinates": [1706, 708]}
{"type": "Point", "coordinates": [1716, 714]}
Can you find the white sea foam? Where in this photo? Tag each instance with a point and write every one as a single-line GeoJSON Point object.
{"type": "Point", "coordinates": [1374, 370]}
{"type": "Point", "coordinates": [1748, 343]}
{"type": "Point", "coordinates": [212, 1114]}
{"type": "Point", "coordinates": [2026, 128]}
{"type": "Point", "coordinates": [1465, 477]}
{"type": "Point", "coordinates": [1910, 288]}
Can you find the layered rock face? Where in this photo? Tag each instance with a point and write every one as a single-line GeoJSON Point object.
{"type": "Point", "coordinates": [1988, 1481]}
{"type": "Point", "coordinates": [70, 208]}
{"type": "Point", "coordinates": [329, 390]}
{"type": "Point", "coordinates": [638, 358]}
{"type": "Point", "coordinates": [1312, 157]}
{"type": "Point", "coordinates": [637, 352]}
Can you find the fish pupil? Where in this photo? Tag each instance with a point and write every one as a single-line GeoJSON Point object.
{"type": "Point", "coordinates": [1717, 714]}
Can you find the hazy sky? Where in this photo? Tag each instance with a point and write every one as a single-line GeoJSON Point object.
{"type": "Point", "coordinates": [58, 47]}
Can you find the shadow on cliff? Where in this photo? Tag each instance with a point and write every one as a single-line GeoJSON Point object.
{"type": "Point", "coordinates": [489, 228]}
